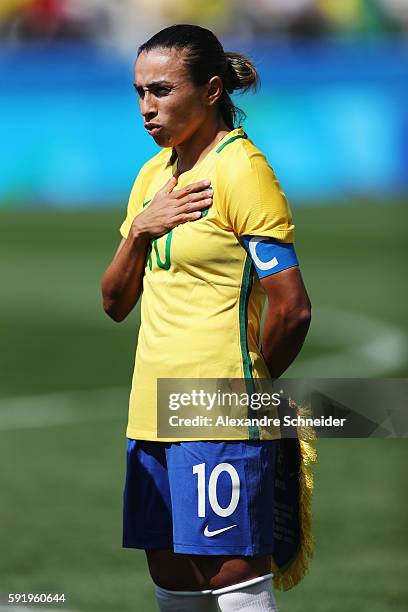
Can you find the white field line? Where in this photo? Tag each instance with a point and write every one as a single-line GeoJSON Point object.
{"type": "Point", "coordinates": [63, 408]}
{"type": "Point", "coordinates": [368, 347]}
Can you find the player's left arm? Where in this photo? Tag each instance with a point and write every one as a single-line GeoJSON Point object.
{"type": "Point", "coordinates": [256, 209]}
{"type": "Point", "coordinates": [288, 312]}
{"type": "Point", "coordinates": [287, 319]}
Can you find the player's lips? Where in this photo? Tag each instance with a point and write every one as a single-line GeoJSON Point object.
{"type": "Point", "coordinates": [153, 128]}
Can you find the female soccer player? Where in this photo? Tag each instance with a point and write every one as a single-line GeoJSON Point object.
{"type": "Point", "coordinates": [208, 234]}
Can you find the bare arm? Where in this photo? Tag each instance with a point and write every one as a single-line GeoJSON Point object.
{"type": "Point", "coordinates": [122, 281]}
{"type": "Point", "coordinates": [287, 319]}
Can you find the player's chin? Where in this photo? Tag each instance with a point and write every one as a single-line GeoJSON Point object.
{"type": "Point", "coordinates": [162, 138]}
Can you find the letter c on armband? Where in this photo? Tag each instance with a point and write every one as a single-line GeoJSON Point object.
{"type": "Point", "coordinates": [269, 255]}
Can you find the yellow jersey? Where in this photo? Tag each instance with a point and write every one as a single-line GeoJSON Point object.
{"type": "Point", "coordinates": [202, 302]}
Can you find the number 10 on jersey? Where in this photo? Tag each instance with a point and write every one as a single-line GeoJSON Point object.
{"type": "Point", "coordinates": [199, 469]}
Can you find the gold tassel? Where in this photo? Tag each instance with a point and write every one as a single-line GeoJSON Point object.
{"type": "Point", "coordinates": [289, 576]}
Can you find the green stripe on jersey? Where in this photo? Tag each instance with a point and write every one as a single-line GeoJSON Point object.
{"type": "Point", "coordinates": [227, 142]}
{"type": "Point", "coordinates": [243, 316]}
{"type": "Point", "coordinates": [246, 288]}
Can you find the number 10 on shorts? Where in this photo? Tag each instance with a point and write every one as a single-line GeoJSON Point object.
{"type": "Point", "coordinates": [199, 469]}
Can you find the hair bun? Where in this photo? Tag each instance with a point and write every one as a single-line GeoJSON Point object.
{"type": "Point", "coordinates": [241, 73]}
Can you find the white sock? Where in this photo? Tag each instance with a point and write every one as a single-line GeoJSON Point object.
{"type": "Point", "coordinates": [255, 594]}
{"type": "Point", "coordinates": [185, 601]}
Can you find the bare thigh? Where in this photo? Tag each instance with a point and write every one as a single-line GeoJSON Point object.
{"type": "Point", "coordinates": [178, 572]}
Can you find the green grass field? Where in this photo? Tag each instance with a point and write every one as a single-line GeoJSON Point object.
{"type": "Point", "coordinates": [65, 373]}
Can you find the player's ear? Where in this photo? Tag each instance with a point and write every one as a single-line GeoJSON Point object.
{"type": "Point", "coordinates": [214, 90]}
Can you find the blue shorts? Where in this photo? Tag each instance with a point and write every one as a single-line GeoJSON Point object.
{"type": "Point", "coordinates": [203, 497]}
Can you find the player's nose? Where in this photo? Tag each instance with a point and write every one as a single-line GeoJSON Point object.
{"type": "Point", "coordinates": [148, 107]}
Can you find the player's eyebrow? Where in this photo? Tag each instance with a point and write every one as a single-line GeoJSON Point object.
{"type": "Point", "coordinates": [153, 84]}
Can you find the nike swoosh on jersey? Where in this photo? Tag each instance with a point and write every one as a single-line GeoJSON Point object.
{"type": "Point", "coordinates": [210, 534]}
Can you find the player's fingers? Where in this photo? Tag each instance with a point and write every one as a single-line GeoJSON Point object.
{"type": "Point", "coordinates": [197, 205]}
{"type": "Point", "coordinates": [181, 193]}
{"type": "Point", "coordinates": [171, 183]}
{"type": "Point", "coordinates": [196, 197]}
{"type": "Point", "coordinates": [184, 218]}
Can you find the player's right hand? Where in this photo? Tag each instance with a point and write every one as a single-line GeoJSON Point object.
{"type": "Point", "coordinates": [171, 207]}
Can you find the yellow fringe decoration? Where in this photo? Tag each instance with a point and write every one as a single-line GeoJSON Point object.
{"type": "Point", "coordinates": [289, 576]}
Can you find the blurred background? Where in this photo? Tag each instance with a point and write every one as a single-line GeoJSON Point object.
{"type": "Point", "coordinates": [332, 118]}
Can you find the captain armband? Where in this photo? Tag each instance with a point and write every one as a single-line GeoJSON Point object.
{"type": "Point", "coordinates": [269, 255]}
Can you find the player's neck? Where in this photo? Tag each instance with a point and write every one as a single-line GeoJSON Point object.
{"type": "Point", "coordinates": [193, 151]}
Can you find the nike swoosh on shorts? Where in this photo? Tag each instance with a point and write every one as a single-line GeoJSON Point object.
{"type": "Point", "coordinates": [210, 534]}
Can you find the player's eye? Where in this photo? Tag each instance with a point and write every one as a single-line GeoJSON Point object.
{"type": "Point", "coordinates": [140, 92]}
{"type": "Point", "coordinates": [161, 91]}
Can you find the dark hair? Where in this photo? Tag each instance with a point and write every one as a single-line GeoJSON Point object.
{"type": "Point", "coordinates": [205, 58]}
